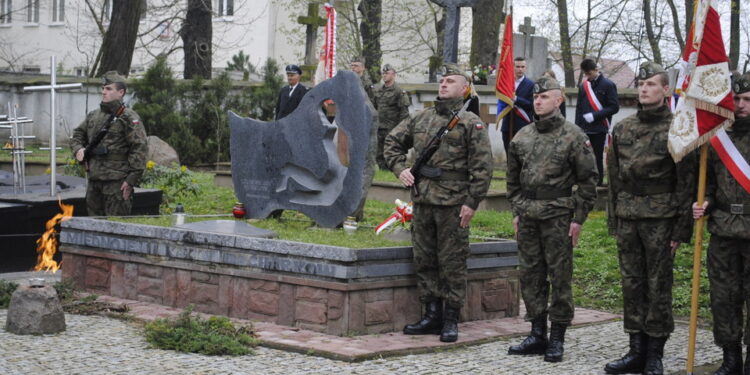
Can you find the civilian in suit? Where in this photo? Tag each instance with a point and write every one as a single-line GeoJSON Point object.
{"type": "Point", "coordinates": [290, 95]}
{"type": "Point", "coordinates": [596, 123]}
{"type": "Point", "coordinates": [524, 102]}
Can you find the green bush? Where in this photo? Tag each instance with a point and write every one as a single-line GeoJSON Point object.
{"type": "Point", "coordinates": [156, 99]}
{"type": "Point", "coordinates": [177, 183]}
{"type": "Point", "coordinates": [6, 291]}
{"type": "Point", "coordinates": [189, 333]}
{"type": "Point", "coordinates": [65, 290]}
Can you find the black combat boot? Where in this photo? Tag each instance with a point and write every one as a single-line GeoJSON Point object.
{"type": "Point", "coordinates": [536, 342]}
{"type": "Point", "coordinates": [634, 360]}
{"type": "Point", "coordinates": [654, 353]}
{"type": "Point", "coordinates": [450, 325]}
{"type": "Point", "coordinates": [732, 364]}
{"type": "Point", "coordinates": [432, 321]}
{"type": "Point", "coordinates": [555, 349]}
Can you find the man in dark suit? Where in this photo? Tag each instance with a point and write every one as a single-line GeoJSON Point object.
{"type": "Point", "coordinates": [523, 107]}
{"type": "Point", "coordinates": [597, 102]}
{"type": "Point", "coordinates": [291, 95]}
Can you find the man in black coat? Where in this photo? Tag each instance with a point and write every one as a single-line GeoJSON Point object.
{"type": "Point", "coordinates": [290, 95]}
{"type": "Point", "coordinates": [597, 102]}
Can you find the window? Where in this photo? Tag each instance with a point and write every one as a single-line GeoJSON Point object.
{"type": "Point", "coordinates": [6, 8]}
{"type": "Point", "coordinates": [225, 8]}
{"type": "Point", "coordinates": [58, 11]}
{"type": "Point", "coordinates": [32, 11]}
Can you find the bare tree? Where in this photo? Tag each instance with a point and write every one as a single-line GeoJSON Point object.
{"type": "Point", "coordinates": [196, 33]}
{"type": "Point", "coordinates": [676, 24]}
{"type": "Point", "coordinates": [369, 29]}
{"type": "Point", "coordinates": [651, 35]}
{"type": "Point", "coordinates": [119, 40]}
{"type": "Point", "coordinates": [567, 56]}
{"type": "Point", "coordinates": [485, 31]}
{"type": "Point", "coordinates": [734, 35]}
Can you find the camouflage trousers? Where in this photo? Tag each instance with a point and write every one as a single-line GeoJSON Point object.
{"type": "Point", "coordinates": [646, 269]}
{"type": "Point", "coordinates": [441, 248]}
{"type": "Point", "coordinates": [104, 198]}
{"type": "Point", "coordinates": [729, 275]}
{"type": "Point", "coordinates": [545, 255]}
{"type": "Point", "coordinates": [382, 133]}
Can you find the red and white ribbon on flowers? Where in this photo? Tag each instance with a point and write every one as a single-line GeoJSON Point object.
{"type": "Point", "coordinates": [403, 214]}
{"type": "Point", "coordinates": [732, 159]}
{"type": "Point", "coordinates": [330, 65]}
{"type": "Point", "coordinates": [593, 100]}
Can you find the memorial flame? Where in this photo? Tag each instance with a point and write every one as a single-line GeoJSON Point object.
{"type": "Point", "coordinates": [47, 244]}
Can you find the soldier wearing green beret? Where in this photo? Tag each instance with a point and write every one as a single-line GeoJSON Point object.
{"type": "Point", "coordinates": [116, 164]}
{"type": "Point", "coordinates": [392, 104]}
{"type": "Point", "coordinates": [456, 180]}
{"type": "Point", "coordinates": [728, 203]}
{"type": "Point", "coordinates": [649, 214]}
{"type": "Point", "coordinates": [551, 187]}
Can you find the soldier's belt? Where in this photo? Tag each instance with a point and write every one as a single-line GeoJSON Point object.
{"type": "Point", "coordinates": [547, 194]}
{"type": "Point", "coordinates": [646, 189]}
{"type": "Point", "coordinates": [439, 174]}
{"type": "Point", "coordinates": [734, 208]}
{"type": "Point", "coordinates": [111, 156]}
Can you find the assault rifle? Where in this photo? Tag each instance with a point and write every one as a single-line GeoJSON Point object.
{"type": "Point", "coordinates": [432, 147]}
{"type": "Point", "coordinates": [89, 149]}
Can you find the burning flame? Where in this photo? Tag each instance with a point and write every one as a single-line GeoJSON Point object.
{"type": "Point", "coordinates": [47, 244]}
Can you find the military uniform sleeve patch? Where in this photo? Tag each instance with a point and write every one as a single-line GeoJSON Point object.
{"type": "Point", "coordinates": [136, 122]}
{"type": "Point", "coordinates": [588, 143]}
{"type": "Point", "coordinates": [479, 126]}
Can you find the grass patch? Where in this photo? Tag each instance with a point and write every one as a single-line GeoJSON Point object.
{"type": "Point", "coordinates": [38, 155]}
{"type": "Point", "coordinates": [191, 334]}
{"type": "Point", "coordinates": [496, 185]}
{"type": "Point", "coordinates": [6, 291]}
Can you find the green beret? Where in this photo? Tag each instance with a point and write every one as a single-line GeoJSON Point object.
{"type": "Point", "coordinates": [112, 77]}
{"type": "Point", "coordinates": [649, 69]}
{"type": "Point", "coordinates": [388, 68]}
{"type": "Point", "coordinates": [545, 84]}
{"type": "Point", "coordinates": [451, 69]}
{"type": "Point", "coordinates": [741, 84]}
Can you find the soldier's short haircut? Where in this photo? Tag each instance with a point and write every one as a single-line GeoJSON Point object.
{"type": "Point", "coordinates": [520, 58]}
{"type": "Point", "coordinates": [121, 86]}
{"type": "Point", "coordinates": [588, 65]}
{"type": "Point", "coordinates": [664, 78]}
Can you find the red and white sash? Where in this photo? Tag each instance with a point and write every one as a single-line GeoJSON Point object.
{"type": "Point", "coordinates": [593, 100]}
{"type": "Point", "coordinates": [732, 159]}
{"type": "Point", "coordinates": [522, 114]}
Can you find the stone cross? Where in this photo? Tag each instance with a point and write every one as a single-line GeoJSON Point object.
{"type": "Point", "coordinates": [313, 22]}
{"type": "Point", "coordinates": [450, 48]}
{"type": "Point", "coordinates": [52, 87]}
{"type": "Point", "coordinates": [526, 29]}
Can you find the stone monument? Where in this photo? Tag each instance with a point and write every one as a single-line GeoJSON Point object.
{"type": "Point", "coordinates": [294, 163]}
{"type": "Point", "coordinates": [35, 310]}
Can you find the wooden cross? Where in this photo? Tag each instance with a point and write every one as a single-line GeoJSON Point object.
{"type": "Point", "coordinates": [313, 22]}
{"type": "Point", "coordinates": [450, 47]}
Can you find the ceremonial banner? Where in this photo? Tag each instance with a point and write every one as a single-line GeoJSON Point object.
{"type": "Point", "coordinates": [330, 46]}
{"type": "Point", "coordinates": [706, 104]}
{"type": "Point", "coordinates": [505, 84]}
{"type": "Point", "coordinates": [732, 159]}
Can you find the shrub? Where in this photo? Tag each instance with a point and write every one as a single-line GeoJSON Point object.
{"type": "Point", "coordinates": [6, 291]}
{"type": "Point", "coordinates": [176, 182]}
{"type": "Point", "coordinates": [212, 336]}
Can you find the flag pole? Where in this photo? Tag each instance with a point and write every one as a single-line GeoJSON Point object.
{"type": "Point", "coordinates": [697, 259]}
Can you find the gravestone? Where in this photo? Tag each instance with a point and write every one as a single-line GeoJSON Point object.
{"type": "Point", "coordinates": [35, 310]}
{"type": "Point", "coordinates": [526, 29]}
{"type": "Point", "coordinates": [294, 163]}
{"type": "Point", "coordinates": [452, 23]}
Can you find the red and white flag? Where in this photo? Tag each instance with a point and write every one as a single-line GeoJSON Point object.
{"type": "Point", "coordinates": [327, 64]}
{"type": "Point", "coordinates": [706, 104]}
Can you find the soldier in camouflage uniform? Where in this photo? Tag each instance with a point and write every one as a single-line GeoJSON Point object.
{"type": "Point", "coordinates": [728, 203]}
{"type": "Point", "coordinates": [649, 213]}
{"type": "Point", "coordinates": [551, 187]}
{"type": "Point", "coordinates": [392, 104]}
{"type": "Point", "coordinates": [461, 170]}
{"type": "Point", "coordinates": [358, 66]}
{"type": "Point", "coordinates": [119, 160]}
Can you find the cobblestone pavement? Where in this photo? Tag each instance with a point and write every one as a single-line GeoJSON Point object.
{"type": "Point", "coordinates": [99, 345]}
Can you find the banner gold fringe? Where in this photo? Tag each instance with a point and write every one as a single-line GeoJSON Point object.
{"type": "Point", "coordinates": [697, 143]}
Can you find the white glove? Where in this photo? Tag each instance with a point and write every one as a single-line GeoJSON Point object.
{"type": "Point", "coordinates": [589, 117]}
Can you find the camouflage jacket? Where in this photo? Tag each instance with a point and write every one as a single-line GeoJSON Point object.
{"type": "Point", "coordinates": [644, 181]}
{"type": "Point", "coordinates": [465, 149]}
{"type": "Point", "coordinates": [722, 190]}
{"type": "Point", "coordinates": [125, 144]}
{"type": "Point", "coordinates": [551, 155]}
{"type": "Point", "coordinates": [392, 104]}
{"type": "Point", "coordinates": [367, 85]}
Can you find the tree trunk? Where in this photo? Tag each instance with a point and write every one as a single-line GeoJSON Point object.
{"type": "Point", "coordinates": [652, 40]}
{"type": "Point", "coordinates": [485, 32]}
{"type": "Point", "coordinates": [734, 36]}
{"type": "Point", "coordinates": [369, 29]}
{"type": "Point", "coordinates": [676, 24]}
{"type": "Point", "coordinates": [119, 41]}
{"type": "Point", "coordinates": [688, 15]}
{"type": "Point", "coordinates": [437, 58]}
{"type": "Point", "coordinates": [196, 39]}
{"type": "Point", "coordinates": [567, 56]}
